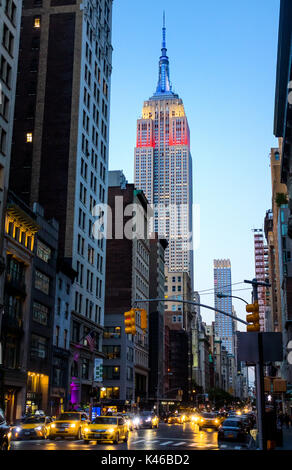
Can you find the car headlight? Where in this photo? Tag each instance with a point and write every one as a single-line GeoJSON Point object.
{"type": "Point", "coordinates": [72, 425]}
{"type": "Point", "coordinates": [86, 429]}
{"type": "Point", "coordinates": [201, 420]}
{"type": "Point", "coordinates": [9, 435]}
{"type": "Point", "coordinates": [111, 430]}
{"type": "Point", "coordinates": [38, 428]}
{"type": "Point", "coordinates": [53, 425]}
{"type": "Point", "coordinates": [216, 421]}
{"type": "Point", "coordinates": [148, 419]}
{"type": "Point", "coordinates": [136, 421]}
{"type": "Point", "coordinates": [18, 429]}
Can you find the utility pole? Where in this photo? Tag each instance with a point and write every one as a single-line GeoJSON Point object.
{"type": "Point", "coordinates": [259, 369]}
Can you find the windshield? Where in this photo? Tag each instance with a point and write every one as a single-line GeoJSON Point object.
{"type": "Point", "coordinates": [33, 420]}
{"type": "Point", "coordinates": [228, 423]}
{"type": "Point", "coordinates": [208, 415]}
{"type": "Point", "coordinates": [105, 421]}
{"type": "Point", "coordinates": [69, 416]}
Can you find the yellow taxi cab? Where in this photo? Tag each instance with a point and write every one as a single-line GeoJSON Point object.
{"type": "Point", "coordinates": [32, 427]}
{"type": "Point", "coordinates": [209, 420]}
{"type": "Point", "coordinates": [106, 428]}
{"type": "Point", "coordinates": [176, 419]}
{"type": "Point", "coordinates": [195, 418]}
{"type": "Point", "coordinates": [69, 424]}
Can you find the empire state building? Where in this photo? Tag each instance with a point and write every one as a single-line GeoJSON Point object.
{"type": "Point", "coordinates": [163, 167]}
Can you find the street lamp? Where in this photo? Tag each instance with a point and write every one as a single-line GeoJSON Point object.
{"type": "Point", "coordinates": [220, 295]}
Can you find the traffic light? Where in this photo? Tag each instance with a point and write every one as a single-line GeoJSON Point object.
{"type": "Point", "coordinates": [143, 319]}
{"type": "Point", "coordinates": [130, 322]}
{"type": "Point", "coordinates": [254, 318]}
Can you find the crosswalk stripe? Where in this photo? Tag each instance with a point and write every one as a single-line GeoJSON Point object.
{"type": "Point", "coordinates": [179, 444]}
{"type": "Point", "coordinates": [165, 443]}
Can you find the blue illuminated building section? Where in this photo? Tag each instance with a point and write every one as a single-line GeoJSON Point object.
{"type": "Point", "coordinates": [163, 89]}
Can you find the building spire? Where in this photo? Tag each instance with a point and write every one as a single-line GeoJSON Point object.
{"type": "Point", "coordinates": [164, 85]}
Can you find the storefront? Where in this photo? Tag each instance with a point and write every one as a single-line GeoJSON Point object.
{"type": "Point", "coordinates": [14, 394]}
{"type": "Point", "coordinates": [36, 392]}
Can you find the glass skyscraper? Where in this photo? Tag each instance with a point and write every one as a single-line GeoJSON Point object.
{"type": "Point", "coordinates": [224, 325]}
{"type": "Point", "coordinates": [163, 167]}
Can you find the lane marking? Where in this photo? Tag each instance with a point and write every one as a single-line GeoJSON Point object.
{"type": "Point", "coordinates": [136, 442]}
{"type": "Point", "coordinates": [179, 444]}
{"type": "Point", "coordinates": [165, 443]}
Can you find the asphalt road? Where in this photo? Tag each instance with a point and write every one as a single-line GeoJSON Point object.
{"type": "Point", "coordinates": [175, 437]}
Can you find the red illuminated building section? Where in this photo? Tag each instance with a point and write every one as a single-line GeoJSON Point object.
{"type": "Point", "coordinates": [145, 134]}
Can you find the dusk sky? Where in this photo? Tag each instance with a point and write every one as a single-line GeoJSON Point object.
{"type": "Point", "coordinates": [223, 65]}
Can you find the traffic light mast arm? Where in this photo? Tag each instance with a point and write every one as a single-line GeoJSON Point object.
{"type": "Point", "coordinates": [190, 302]}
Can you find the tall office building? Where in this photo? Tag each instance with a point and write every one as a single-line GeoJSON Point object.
{"type": "Point", "coordinates": [60, 149]}
{"type": "Point", "coordinates": [10, 16]}
{"type": "Point", "coordinates": [224, 325]}
{"type": "Point", "coordinates": [163, 167]}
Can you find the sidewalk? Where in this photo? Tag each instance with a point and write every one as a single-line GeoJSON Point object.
{"type": "Point", "coordinates": [287, 439]}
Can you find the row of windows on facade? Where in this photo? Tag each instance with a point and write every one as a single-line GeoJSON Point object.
{"type": "Point", "coordinates": [90, 254]}
{"type": "Point", "coordinates": [85, 149]}
{"type": "Point", "coordinates": [94, 161]}
{"type": "Point", "coordinates": [90, 308]}
{"type": "Point", "coordinates": [83, 193]}
{"type": "Point", "coordinates": [92, 233]}
{"type": "Point", "coordinates": [89, 280]}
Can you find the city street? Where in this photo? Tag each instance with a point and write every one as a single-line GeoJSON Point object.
{"type": "Point", "coordinates": [172, 437]}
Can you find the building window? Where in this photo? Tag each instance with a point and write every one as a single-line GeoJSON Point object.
{"type": "Point", "coordinates": [42, 282]}
{"type": "Point", "coordinates": [38, 348]}
{"type": "Point", "coordinates": [29, 137]}
{"type": "Point", "coordinates": [110, 392]}
{"type": "Point", "coordinates": [85, 368]}
{"type": "Point", "coordinates": [43, 251]}
{"type": "Point", "coordinates": [57, 335]}
{"type": "Point", "coordinates": [65, 338]}
{"type": "Point", "coordinates": [37, 22]}
{"type": "Point", "coordinates": [112, 352]}
{"type": "Point", "coordinates": [75, 332]}
{"type": "Point", "coordinates": [130, 354]}
{"type": "Point", "coordinates": [40, 313]}
{"type": "Point", "coordinates": [112, 332]}
{"type": "Point", "coordinates": [111, 372]}
{"type": "Point", "coordinates": [129, 373]}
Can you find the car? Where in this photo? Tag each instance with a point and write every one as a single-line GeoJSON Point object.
{"type": "Point", "coordinates": [135, 420]}
{"type": "Point", "coordinates": [69, 424]}
{"type": "Point", "coordinates": [176, 418]}
{"type": "Point", "coordinates": [5, 433]}
{"type": "Point", "coordinates": [127, 419]}
{"type": "Point", "coordinates": [209, 420]}
{"type": "Point", "coordinates": [32, 427]}
{"type": "Point", "coordinates": [233, 430]}
{"type": "Point", "coordinates": [195, 418]}
{"type": "Point", "coordinates": [106, 428]}
{"type": "Point", "coordinates": [148, 419]}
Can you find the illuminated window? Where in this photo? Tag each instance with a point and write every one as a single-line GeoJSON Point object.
{"type": "Point", "coordinates": [29, 137]}
{"type": "Point", "coordinates": [37, 22]}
